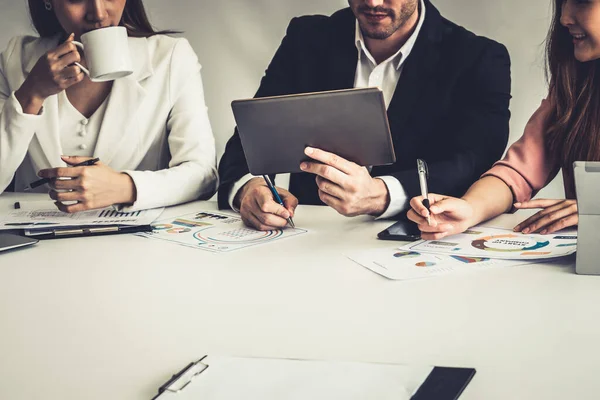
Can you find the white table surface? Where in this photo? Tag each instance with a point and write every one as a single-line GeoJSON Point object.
{"type": "Point", "coordinates": [113, 317]}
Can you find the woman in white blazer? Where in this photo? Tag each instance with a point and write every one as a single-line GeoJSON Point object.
{"type": "Point", "coordinates": [150, 129]}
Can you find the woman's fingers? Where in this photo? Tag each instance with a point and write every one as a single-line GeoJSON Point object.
{"type": "Point", "coordinates": [538, 203]}
{"type": "Point", "coordinates": [416, 218]}
{"type": "Point", "coordinates": [535, 217]}
{"type": "Point", "coordinates": [68, 59]}
{"type": "Point", "coordinates": [556, 210]}
{"type": "Point", "coordinates": [65, 48]}
{"type": "Point", "coordinates": [441, 228]}
{"type": "Point", "coordinates": [416, 203]}
{"type": "Point", "coordinates": [545, 218]}
{"type": "Point", "coordinates": [435, 236]}
{"type": "Point", "coordinates": [566, 222]}
{"type": "Point", "coordinates": [72, 73]}
{"type": "Point", "coordinates": [71, 208]}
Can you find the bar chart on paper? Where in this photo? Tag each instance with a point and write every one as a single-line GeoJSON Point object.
{"type": "Point", "coordinates": [117, 214]}
{"type": "Point", "coordinates": [50, 216]}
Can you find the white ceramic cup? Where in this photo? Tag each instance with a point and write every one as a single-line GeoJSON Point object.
{"type": "Point", "coordinates": [106, 54]}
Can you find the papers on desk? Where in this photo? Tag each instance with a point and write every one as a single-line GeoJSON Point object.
{"type": "Point", "coordinates": [495, 243]}
{"type": "Point", "coordinates": [215, 232]}
{"type": "Point", "coordinates": [46, 215]}
{"type": "Point", "coordinates": [234, 378]}
{"type": "Point", "coordinates": [398, 264]}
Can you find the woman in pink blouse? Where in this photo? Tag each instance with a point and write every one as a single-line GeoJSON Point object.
{"type": "Point", "coordinates": [566, 128]}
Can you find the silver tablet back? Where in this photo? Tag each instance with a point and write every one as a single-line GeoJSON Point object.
{"type": "Point", "coordinates": [352, 123]}
{"type": "Point", "coordinates": [587, 184]}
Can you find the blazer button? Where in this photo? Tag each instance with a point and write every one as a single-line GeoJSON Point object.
{"type": "Point", "coordinates": [82, 147]}
{"type": "Point", "coordinates": [84, 122]}
{"type": "Point", "coordinates": [82, 132]}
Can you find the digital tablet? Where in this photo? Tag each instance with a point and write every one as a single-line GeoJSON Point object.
{"type": "Point", "coordinates": [351, 123]}
{"type": "Point", "coordinates": [9, 241]}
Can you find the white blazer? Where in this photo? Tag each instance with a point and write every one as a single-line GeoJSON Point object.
{"type": "Point", "coordinates": [155, 128]}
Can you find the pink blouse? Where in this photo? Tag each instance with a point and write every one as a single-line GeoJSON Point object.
{"type": "Point", "coordinates": [527, 166]}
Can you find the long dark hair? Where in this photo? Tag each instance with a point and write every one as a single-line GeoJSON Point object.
{"type": "Point", "coordinates": [134, 19]}
{"type": "Point", "coordinates": [574, 124]}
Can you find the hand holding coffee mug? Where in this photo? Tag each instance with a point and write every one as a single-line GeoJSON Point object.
{"type": "Point", "coordinates": [106, 54]}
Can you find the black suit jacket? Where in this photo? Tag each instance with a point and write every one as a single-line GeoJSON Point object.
{"type": "Point", "coordinates": [450, 107]}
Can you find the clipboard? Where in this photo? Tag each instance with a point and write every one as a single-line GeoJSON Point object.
{"type": "Point", "coordinates": [233, 378]}
{"type": "Point", "coordinates": [84, 231]}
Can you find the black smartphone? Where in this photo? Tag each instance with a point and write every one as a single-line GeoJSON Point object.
{"type": "Point", "coordinates": [403, 230]}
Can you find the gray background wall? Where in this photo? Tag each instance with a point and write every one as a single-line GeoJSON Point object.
{"type": "Point", "coordinates": [236, 39]}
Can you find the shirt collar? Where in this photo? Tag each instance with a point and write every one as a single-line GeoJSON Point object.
{"type": "Point", "coordinates": [401, 55]}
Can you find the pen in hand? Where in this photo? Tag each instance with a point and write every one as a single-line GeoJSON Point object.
{"type": "Point", "coordinates": [277, 198]}
{"type": "Point", "coordinates": [423, 173]}
{"type": "Point", "coordinates": [43, 181]}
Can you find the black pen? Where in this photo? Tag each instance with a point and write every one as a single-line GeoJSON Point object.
{"type": "Point", "coordinates": [423, 173]}
{"type": "Point", "coordinates": [43, 181]}
{"type": "Point", "coordinates": [277, 197]}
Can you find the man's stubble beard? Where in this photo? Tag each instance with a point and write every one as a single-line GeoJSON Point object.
{"type": "Point", "coordinates": [397, 22]}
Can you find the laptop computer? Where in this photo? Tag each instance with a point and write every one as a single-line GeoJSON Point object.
{"type": "Point", "coordinates": [587, 186]}
{"type": "Point", "coordinates": [351, 123]}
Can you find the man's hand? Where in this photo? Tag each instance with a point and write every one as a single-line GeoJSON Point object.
{"type": "Point", "coordinates": [259, 210]}
{"type": "Point", "coordinates": [92, 187]}
{"type": "Point", "coordinates": [346, 186]}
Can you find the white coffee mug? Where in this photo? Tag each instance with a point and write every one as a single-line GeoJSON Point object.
{"type": "Point", "coordinates": [106, 54]}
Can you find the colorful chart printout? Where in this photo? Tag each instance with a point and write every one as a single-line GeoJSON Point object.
{"type": "Point", "coordinates": [215, 232]}
{"type": "Point", "coordinates": [398, 264]}
{"type": "Point", "coordinates": [499, 244]}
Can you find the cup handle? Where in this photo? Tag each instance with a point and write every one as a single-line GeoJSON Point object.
{"type": "Point", "coordinates": [84, 69]}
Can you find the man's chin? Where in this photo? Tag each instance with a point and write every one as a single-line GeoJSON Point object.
{"type": "Point", "coordinates": [379, 33]}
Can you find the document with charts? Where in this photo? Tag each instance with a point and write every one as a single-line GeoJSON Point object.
{"type": "Point", "coordinates": [397, 264]}
{"type": "Point", "coordinates": [214, 231]}
{"type": "Point", "coordinates": [48, 216]}
{"type": "Point", "coordinates": [482, 241]}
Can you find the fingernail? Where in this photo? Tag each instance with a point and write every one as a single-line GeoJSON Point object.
{"type": "Point", "coordinates": [303, 166]}
{"type": "Point", "coordinates": [544, 232]}
{"type": "Point", "coordinates": [526, 230]}
{"type": "Point", "coordinates": [517, 204]}
{"type": "Point", "coordinates": [308, 150]}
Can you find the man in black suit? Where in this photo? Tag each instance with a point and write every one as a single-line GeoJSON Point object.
{"type": "Point", "coordinates": [447, 92]}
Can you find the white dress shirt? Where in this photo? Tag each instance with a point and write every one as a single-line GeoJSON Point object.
{"type": "Point", "coordinates": [385, 76]}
